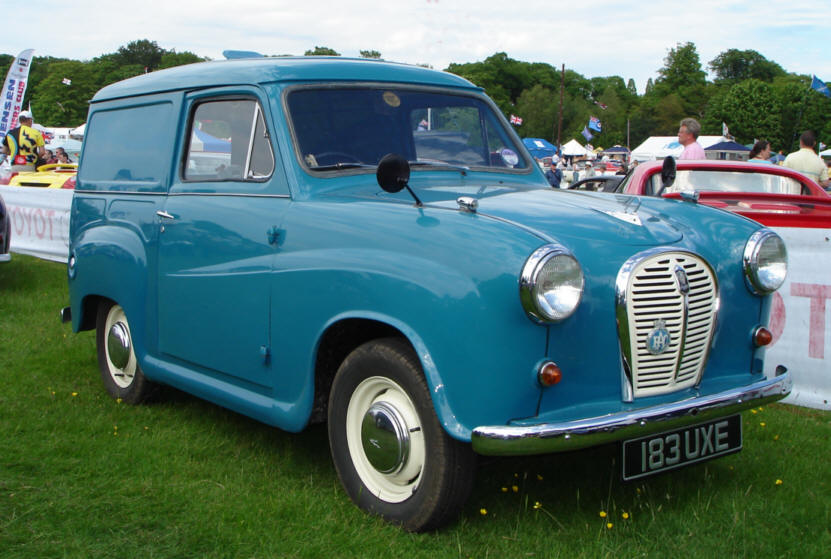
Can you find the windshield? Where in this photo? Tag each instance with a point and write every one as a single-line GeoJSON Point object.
{"type": "Point", "coordinates": [342, 128]}
{"type": "Point", "coordinates": [730, 181]}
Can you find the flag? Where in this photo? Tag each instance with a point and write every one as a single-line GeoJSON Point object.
{"type": "Point", "coordinates": [601, 105]}
{"type": "Point", "coordinates": [66, 81]}
{"type": "Point", "coordinates": [587, 135]}
{"type": "Point", "coordinates": [516, 120]}
{"type": "Point", "coordinates": [11, 98]}
{"type": "Point", "coordinates": [819, 85]}
{"type": "Point", "coordinates": [594, 124]}
{"type": "Point", "coordinates": [724, 129]}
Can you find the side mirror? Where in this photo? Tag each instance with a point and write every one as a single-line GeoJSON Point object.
{"type": "Point", "coordinates": [668, 171]}
{"type": "Point", "coordinates": [393, 173]}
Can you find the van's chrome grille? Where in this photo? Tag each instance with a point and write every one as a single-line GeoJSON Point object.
{"type": "Point", "coordinates": [667, 302]}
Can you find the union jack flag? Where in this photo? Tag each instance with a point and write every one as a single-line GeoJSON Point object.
{"type": "Point", "coordinates": [516, 120]}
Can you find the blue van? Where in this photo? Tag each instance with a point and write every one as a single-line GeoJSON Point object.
{"type": "Point", "coordinates": [370, 245]}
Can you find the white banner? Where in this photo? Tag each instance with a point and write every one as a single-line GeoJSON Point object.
{"type": "Point", "coordinates": [801, 317]}
{"type": "Point", "coordinates": [39, 220]}
{"type": "Point", "coordinates": [13, 91]}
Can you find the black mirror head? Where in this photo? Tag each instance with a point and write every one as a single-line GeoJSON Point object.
{"type": "Point", "coordinates": [393, 172]}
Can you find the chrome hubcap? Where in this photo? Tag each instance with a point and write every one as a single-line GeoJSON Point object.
{"type": "Point", "coordinates": [385, 438]}
{"type": "Point", "coordinates": [118, 345]}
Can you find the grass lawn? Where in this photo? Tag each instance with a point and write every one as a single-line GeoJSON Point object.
{"type": "Point", "coordinates": [82, 475]}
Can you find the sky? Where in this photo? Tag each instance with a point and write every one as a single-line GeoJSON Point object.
{"type": "Point", "coordinates": [597, 38]}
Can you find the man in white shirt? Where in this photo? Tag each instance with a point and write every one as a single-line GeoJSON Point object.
{"type": "Point", "coordinates": [807, 162]}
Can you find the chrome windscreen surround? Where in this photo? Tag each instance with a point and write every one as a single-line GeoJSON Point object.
{"type": "Point", "coordinates": [666, 309]}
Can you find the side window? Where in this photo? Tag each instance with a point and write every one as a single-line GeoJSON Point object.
{"type": "Point", "coordinates": [128, 149]}
{"type": "Point", "coordinates": [229, 141]}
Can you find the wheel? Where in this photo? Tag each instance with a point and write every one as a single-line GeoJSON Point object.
{"type": "Point", "coordinates": [120, 371]}
{"type": "Point", "coordinates": [392, 456]}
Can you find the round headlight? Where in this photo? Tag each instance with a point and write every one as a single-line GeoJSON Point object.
{"type": "Point", "coordinates": [765, 262]}
{"type": "Point", "coordinates": [551, 284]}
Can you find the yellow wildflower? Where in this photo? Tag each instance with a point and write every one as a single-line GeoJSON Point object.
{"type": "Point", "coordinates": [504, 489]}
{"type": "Point", "coordinates": [74, 394]}
{"type": "Point", "coordinates": [515, 489]}
{"type": "Point", "coordinates": [762, 423]}
{"type": "Point", "coordinates": [537, 505]}
{"type": "Point", "coordinates": [778, 482]}
{"type": "Point", "coordinates": [609, 525]}
{"type": "Point", "coordinates": [483, 511]}
{"type": "Point", "coordinates": [603, 514]}
{"type": "Point", "coordinates": [539, 477]}
{"type": "Point", "coordinates": [625, 516]}
{"type": "Point", "coordinates": [118, 400]}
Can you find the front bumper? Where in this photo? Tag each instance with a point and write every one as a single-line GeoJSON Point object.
{"type": "Point", "coordinates": [506, 440]}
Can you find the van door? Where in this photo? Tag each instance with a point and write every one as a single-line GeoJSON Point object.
{"type": "Point", "coordinates": [218, 235]}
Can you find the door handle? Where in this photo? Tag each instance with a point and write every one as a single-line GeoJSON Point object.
{"type": "Point", "coordinates": [273, 235]}
{"type": "Point", "coordinates": [164, 215]}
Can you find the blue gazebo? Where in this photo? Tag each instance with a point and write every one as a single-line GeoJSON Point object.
{"type": "Point", "coordinates": [728, 149]}
{"type": "Point", "coordinates": [539, 148]}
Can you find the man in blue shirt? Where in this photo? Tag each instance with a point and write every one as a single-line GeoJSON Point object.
{"type": "Point", "coordinates": [554, 175]}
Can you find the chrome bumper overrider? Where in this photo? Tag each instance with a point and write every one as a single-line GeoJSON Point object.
{"type": "Point", "coordinates": [573, 435]}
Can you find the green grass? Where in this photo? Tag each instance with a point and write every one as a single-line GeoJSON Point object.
{"type": "Point", "coordinates": [84, 476]}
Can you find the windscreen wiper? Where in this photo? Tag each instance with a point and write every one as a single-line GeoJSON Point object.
{"type": "Point", "coordinates": [461, 168]}
{"type": "Point", "coordinates": [343, 165]}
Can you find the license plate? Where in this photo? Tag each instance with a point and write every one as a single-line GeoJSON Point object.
{"type": "Point", "coordinates": [674, 449]}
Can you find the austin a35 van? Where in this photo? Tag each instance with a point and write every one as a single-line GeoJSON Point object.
{"type": "Point", "coordinates": [370, 245]}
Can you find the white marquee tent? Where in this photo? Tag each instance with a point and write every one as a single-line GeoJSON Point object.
{"type": "Point", "coordinates": [575, 149]}
{"type": "Point", "coordinates": [658, 147]}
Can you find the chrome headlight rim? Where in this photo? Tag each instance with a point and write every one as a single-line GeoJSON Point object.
{"type": "Point", "coordinates": [529, 280]}
{"type": "Point", "coordinates": [754, 280]}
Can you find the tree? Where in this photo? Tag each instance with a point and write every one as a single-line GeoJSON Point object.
{"type": "Point", "coordinates": [735, 65]}
{"type": "Point", "coordinates": [56, 103]}
{"type": "Point", "coordinates": [144, 53]}
{"type": "Point", "coordinates": [682, 68]}
{"type": "Point", "coordinates": [539, 109]}
{"type": "Point", "coordinates": [630, 85]}
{"type": "Point", "coordinates": [321, 51]}
{"type": "Point", "coordinates": [172, 58]}
{"type": "Point", "coordinates": [682, 76]}
{"type": "Point", "coordinates": [751, 111]}
{"type": "Point", "coordinates": [370, 54]}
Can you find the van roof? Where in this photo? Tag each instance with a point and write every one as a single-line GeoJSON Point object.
{"type": "Point", "coordinates": [276, 69]}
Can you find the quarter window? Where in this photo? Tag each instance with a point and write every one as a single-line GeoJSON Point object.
{"type": "Point", "coordinates": [229, 141]}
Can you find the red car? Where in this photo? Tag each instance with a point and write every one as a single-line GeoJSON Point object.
{"type": "Point", "coordinates": [769, 194]}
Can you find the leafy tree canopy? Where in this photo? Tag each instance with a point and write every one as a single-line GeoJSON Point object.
{"type": "Point", "coordinates": [321, 51]}
{"type": "Point", "coordinates": [370, 54]}
{"type": "Point", "coordinates": [735, 65]}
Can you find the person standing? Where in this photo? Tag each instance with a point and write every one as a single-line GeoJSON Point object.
{"type": "Point", "coordinates": [24, 144]}
{"type": "Point", "coordinates": [554, 175]}
{"type": "Point", "coordinates": [688, 133]}
{"type": "Point", "coordinates": [807, 162]}
{"type": "Point", "coordinates": [760, 153]}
